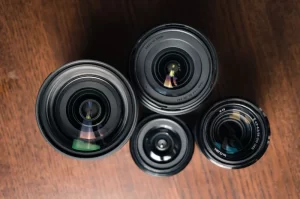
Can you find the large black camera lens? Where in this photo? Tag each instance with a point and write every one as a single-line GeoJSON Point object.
{"type": "Point", "coordinates": [234, 133]}
{"type": "Point", "coordinates": [174, 68]}
{"type": "Point", "coordinates": [162, 145]}
{"type": "Point", "coordinates": [86, 109]}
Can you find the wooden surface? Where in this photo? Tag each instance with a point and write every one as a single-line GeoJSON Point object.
{"type": "Point", "coordinates": [258, 43]}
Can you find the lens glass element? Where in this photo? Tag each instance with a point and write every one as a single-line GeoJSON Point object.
{"type": "Point", "coordinates": [232, 132]}
{"type": "Point", "coordinates": [90, 109]}
{"type": "Point", "coordinates": [162, 145]}
{"type": "Point", "coordinates": [228, 138]}
{"type": "Point", "coordinates": [172, 70]}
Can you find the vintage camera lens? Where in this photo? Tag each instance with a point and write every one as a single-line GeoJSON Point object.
{"type": "Point", "coordinates": [86, 109]}
{"type": "Point", "coordinates": [162, 146]}
{"type": "Point", "coordinates": [174, 68]}
{"type": "Point", "coordinates": [234, 133]}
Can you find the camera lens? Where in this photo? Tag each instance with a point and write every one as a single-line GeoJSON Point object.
{"type": "Point", "coordinates": [86, 109]}
{"type": "Point", "coordinates": [162, 146]}
{"type": "Point", "coordinates": [174, 68]}
{"type": "Point", "coordinates": [234, 133]}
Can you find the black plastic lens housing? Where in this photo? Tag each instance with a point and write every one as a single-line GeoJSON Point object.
{"type": "Point", "coordinates": [234, 133]}
{"type": "Point", "coordinates": [86, 109]}
{"type": "Point", "coordinates": [162, 145]}
{"type": "Point", "coordinates": [174, 68]}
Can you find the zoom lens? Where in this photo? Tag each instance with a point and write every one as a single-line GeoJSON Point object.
{"type": "Point", "coordinates": [174, 68]}
{"type": "Point", "coordinates": [162, 145]}
{"type": "Point", "coordinates": [86, 109]}
{"type": "Point", "coordinates": [234, 133]}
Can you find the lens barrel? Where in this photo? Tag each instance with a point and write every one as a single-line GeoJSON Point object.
{"type": "Point", "coordinates": [234, 133]}
{"type": "Point", "coordinates": [86, 109]}
{"type": "Point", "coordinates": [162, 145]}
{"type": "Point", "coordinates": [174, 68]}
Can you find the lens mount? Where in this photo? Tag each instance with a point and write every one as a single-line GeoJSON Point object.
{"type": "Point", "coordinates": [234, 133]}
{"type": "Point", "coordinates": [86, 109]}
{"type": "Point", "coordinates": [174, 68]}
{"type": "Point", "coordinates": [162, 145]}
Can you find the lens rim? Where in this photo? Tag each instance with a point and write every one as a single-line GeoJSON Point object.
{"type": "Point", "coordinates": [260, 121]}
{"type": "Point", "coordinates": [189, 101]}
{"type": "Point", "coordinates": [150, 166]}
{"type": "Point", "coordinates": [121, 84]}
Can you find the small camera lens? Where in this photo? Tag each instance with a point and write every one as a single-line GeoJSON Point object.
{"type": "Point", "coordinates": [234, 133]}
{"type": "Point", "coordinates": [86, 109]}
{"type": "Point", "coordinates": [162, 145]}
{"type": "Point", "coordinates": [174, 68]}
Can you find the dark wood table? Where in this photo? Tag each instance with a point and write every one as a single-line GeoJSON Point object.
{"type": "Point", "coordinates": [258, 44]}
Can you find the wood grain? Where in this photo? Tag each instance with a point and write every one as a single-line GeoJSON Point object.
{"type": "Point", "coordinates": [258, 43]}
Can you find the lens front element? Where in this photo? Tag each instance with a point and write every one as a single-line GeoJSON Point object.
{"type": "Point", "coordinates": [162, 145]}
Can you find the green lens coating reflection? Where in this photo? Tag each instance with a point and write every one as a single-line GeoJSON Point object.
{"type": "Point", "coordinates": [81, 145]}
